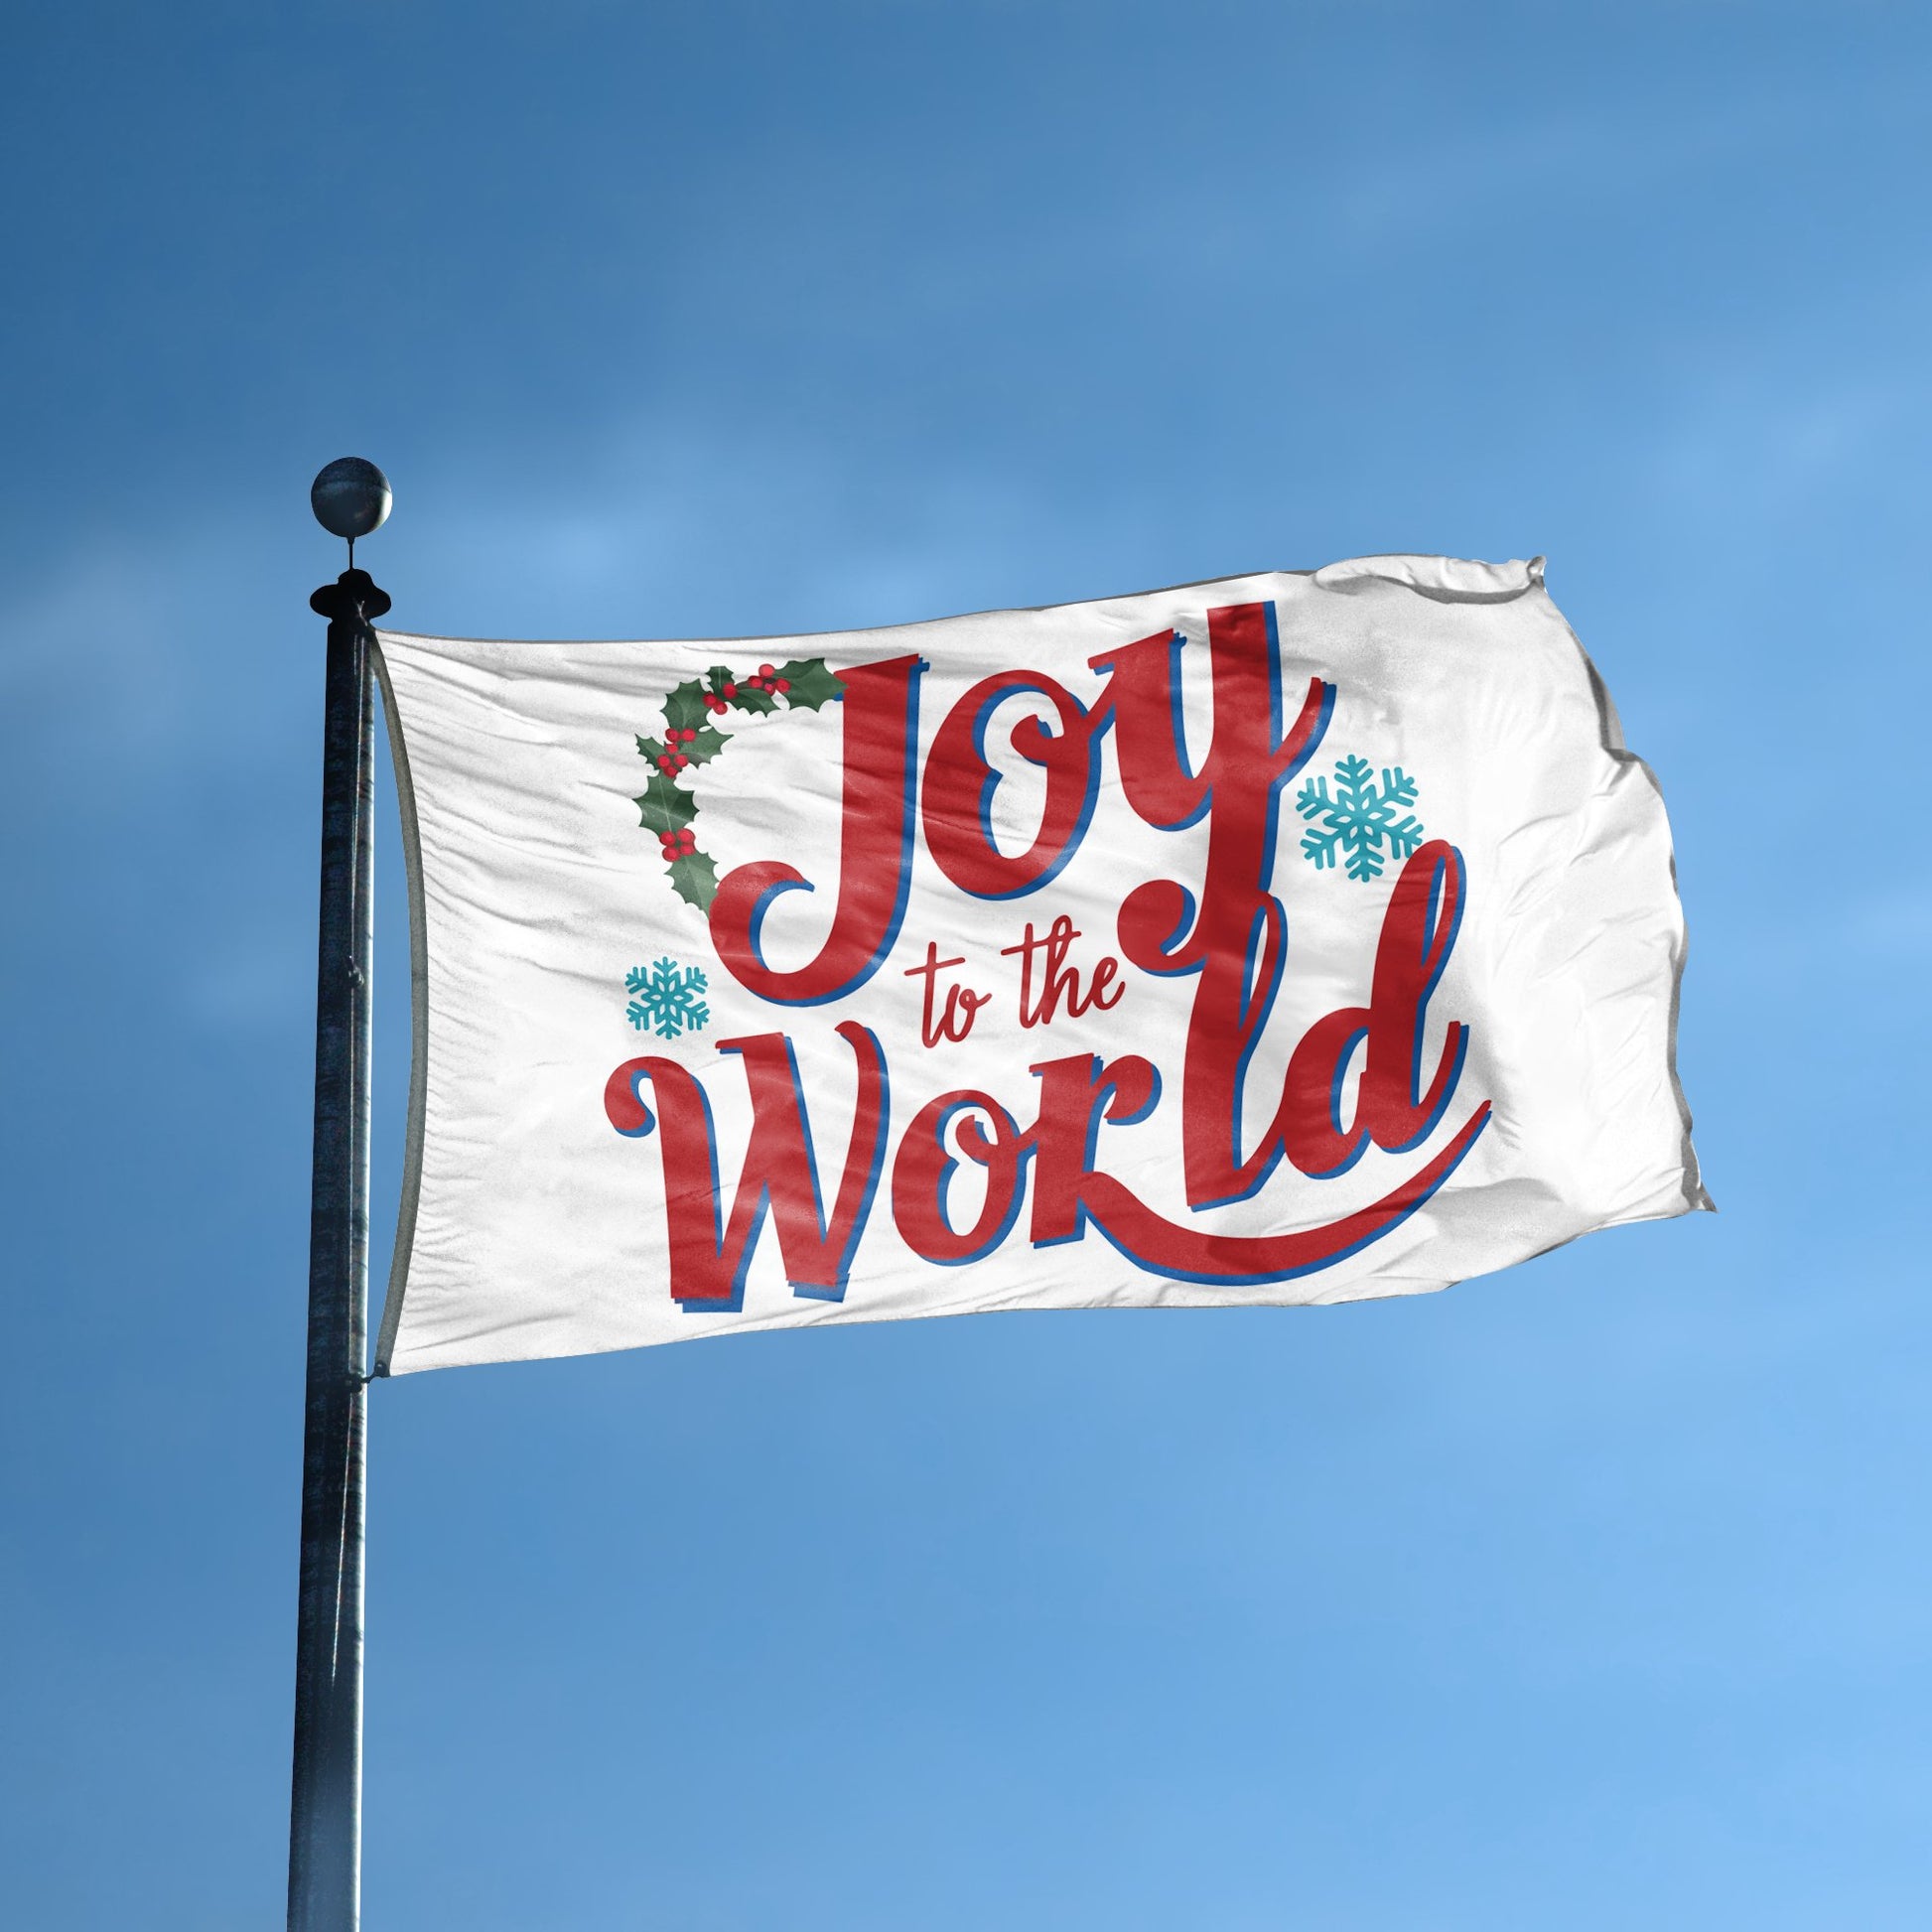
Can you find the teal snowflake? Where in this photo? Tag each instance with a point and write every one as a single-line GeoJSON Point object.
{"type": "Point", "coordinates": [666, 999]}
{"type": "Point", "coordinates": [1359, 819]}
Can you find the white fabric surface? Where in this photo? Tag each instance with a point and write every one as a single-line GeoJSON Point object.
{"type": "Point", "coordinates": [533, 1226]}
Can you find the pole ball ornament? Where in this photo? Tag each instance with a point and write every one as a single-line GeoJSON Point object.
{"type": "Point", "coordinates": [350, 497]}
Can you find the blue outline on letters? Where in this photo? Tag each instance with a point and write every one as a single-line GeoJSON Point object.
{"type": "Point", "coordinates": [1096, 727]}
{"type": "Point", "coordinates": [754, 926]}
{"type": "Point", "coordinates": [1011, 1133]}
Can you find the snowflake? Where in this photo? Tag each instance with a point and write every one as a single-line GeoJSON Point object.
{"type": "Point", "coordinates": [665, 1000]}
{"type": "Point", "coordinates": [1360, 818]}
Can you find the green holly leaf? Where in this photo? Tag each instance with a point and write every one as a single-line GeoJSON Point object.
{"type": "Point", "coordinates": [650, 748]}
{"type": "Point", "coordinates": [694, 878]}
{"type": "Point", "coordinates": [727, 685]}
{"type": "Point", "coordinates": [665, 807]}
{"type": "Point", "coordinates": [811, 683]}
{"type": "Point", "coordinates": [685, 709]}
{"type": "Point", "coordinates": [706, 746]}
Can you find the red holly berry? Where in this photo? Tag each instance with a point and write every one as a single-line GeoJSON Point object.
{"type": "Point", "coordinates": [731, 690]}
{"type": "Point", "coordinates": [768, 670]}
{"type": "Point", "coordinates": [716, 706]}
{"type": "Point", "coordinates": [782, 684]}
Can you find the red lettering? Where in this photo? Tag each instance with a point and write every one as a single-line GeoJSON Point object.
{"type": "Point", "coordinates": [1057, 979]}
{"type": "Point", "coordinates": [708, 1261]}
{"type": "Point", "coordinates": [1075, 1095]}
{"type": "Point", "coordinates": [960, 783]}
{"type": "Point", "coordinates": [879, 724]}
{"type": "Point", "coordinates": [924, 1169]}
{"type": "Point", "coordinates": [1078, 1093]}
{"type": "Point", "coordinates": [962, 1006]}
{"type": "Point", "coordinates": [1236, 936]}
{"type": "Point", "coordinates": [1392, 1109]}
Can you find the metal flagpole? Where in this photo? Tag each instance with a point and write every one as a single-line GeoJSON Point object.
{"type": "Point", "coordinates": [351, 498]}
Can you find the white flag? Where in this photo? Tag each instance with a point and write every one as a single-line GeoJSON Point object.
{"type": "Point", "coordinates": [1293, 938]}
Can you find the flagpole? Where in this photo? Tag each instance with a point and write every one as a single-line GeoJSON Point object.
{"type": "Point", "coordinates": [351, 498]}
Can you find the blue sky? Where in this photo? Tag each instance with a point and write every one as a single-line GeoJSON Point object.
{"type": "Point", "coordinates": [1591, 1594]}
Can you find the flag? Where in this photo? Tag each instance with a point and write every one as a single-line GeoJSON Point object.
{"type": "Point", "coordinates": [1294, 939]}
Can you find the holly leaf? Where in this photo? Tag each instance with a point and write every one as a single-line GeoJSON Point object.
{"type": "Point", "coordinates": [718, 677]}
{"type": "Point", "coordinates": [706, 746]}
{"type": "Point", "coordinates": [811, 683]}
{"type": "Point", "coordinates": [649, 748]}
{"type": "Point", "coordinates": [694, 878]}
{"type": "Point", "coordinates": [750, 700]}
{"type": "Point", "coordinates": [685, 707]}
{"type": "Point", "coordinates": [665, 807]}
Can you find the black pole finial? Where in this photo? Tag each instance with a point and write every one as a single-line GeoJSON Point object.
{"type": "Point", "coordinates": [350, 497]}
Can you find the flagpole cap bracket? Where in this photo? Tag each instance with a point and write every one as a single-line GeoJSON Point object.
{"type": "Point", "coordinates": [350, 497]}
{"type": "Point", "coordinates": [354, 597]}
